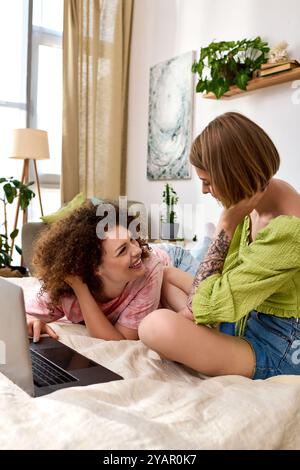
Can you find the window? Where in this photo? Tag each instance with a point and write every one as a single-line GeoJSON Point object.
{"type": "Point", "coordinates": [31, 85]}
{"type": "Point", "coordinates": [13, 56]}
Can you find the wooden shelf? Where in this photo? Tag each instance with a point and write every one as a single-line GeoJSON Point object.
{"type": "Point", "coordinates": [261, 82]}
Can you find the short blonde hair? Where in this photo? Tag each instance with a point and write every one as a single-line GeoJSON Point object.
{"type": "Point", "coordinates": [238, 155]}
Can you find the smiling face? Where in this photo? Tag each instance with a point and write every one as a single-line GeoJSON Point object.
{"type": "Point", "coordinates": [121, 260]}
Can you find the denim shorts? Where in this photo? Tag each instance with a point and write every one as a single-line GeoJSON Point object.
{"type": "Point", "coordinates": [275, 342]}
{"type": "Point", "coordinates": [180, 257]}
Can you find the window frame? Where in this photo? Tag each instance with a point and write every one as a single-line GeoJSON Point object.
{"type": "Point", "coordinates": [40, 37]}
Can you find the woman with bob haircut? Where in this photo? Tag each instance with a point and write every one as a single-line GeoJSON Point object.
{"type": "Point", "coordinates": [244, 299]}
{"type": "Point", "coordinates": [95, 270]}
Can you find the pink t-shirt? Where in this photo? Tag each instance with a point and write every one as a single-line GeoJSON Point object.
{"type": "Point", "coordinates": [138, 298]}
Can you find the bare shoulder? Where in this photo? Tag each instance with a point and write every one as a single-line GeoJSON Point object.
{"type": "Point", "coordinates": [289, 198]}
{"type": "Point", "coordinates": [285, 186]}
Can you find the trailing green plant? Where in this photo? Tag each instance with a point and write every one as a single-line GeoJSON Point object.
{"type": "Point", "coordinates": [170, 198]}
{"type": "Point", "coordinates": [11, 189]}
{"type": "Point", "coordinates": [226, 63]}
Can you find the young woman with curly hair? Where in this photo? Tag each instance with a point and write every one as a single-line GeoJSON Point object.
{"type": "Point", "coordinates": [110, 282]}
{"type": "Point", "coordinates": [249, 281]}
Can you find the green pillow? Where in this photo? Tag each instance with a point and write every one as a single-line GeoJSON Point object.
{"type": "Point", "coordinates": [76, 202]}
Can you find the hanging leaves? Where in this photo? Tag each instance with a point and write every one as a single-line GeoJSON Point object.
{"type": "Point", "coordinates": [12, 189]}
{"type": "Point", "coordinates": [226, 63]}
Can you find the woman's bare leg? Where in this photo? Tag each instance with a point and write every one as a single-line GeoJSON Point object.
{"type": "Point", "coordinates": [176, 286]}
{"type": "Point", "coordinates": [197, 346]}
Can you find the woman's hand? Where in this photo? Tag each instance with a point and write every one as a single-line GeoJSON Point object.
{"type": "Point", "coordinates": [231, 217]}
{"type": "Point", "coordinates": [37, 327]}
{"type": "Point", "coordinates": [74, 281]}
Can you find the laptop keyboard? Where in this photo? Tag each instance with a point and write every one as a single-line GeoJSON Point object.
{"type": "Point", "coordinates": [45, 373]}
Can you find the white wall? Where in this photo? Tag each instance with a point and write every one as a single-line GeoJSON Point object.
{"type": "Point", "coordinates": [163, 29]}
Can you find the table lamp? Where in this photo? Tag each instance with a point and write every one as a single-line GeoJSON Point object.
{"type": "Point", "coordinates": [29, 144]}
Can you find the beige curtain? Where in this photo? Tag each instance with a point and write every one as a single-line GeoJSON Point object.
{"type": "Point", "coordinates": [96, 43]}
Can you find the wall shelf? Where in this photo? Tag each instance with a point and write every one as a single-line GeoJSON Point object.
{"type": "Point", "coordinates": [261, 82]}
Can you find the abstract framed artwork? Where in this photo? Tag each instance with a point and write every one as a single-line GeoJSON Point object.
{"type": "Point", "coordinates": [170, 118]}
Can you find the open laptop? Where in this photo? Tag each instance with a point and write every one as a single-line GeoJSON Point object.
{"type": "Point", "coordinates": [43, 367]}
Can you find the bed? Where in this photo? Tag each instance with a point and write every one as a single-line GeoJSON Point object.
{"type": "Point", "coordinates": [159, 405]}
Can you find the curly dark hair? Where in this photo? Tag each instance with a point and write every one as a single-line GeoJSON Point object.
{"type": "Point", "coordinates": [71, 247]}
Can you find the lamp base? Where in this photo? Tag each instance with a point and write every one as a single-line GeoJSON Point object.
{"type": "Point", "coordinates": [25, 180]}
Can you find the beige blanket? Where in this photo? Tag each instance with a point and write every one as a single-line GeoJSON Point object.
{"type": "Point", "coordinates": [159, 405]}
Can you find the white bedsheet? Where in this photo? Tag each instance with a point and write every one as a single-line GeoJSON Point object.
{"type": "Point", "coordinates": [159, 405]}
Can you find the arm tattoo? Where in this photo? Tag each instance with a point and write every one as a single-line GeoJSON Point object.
{"type": "Point", "coordinates": [212, 263]}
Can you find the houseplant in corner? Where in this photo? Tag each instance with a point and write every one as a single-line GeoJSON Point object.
{"type": "Point", "coordinates": [226, 63]}
{"type": "Point", "coordinates": [169, 228]}
{"type": "Point", "coordinates": [11, 189]}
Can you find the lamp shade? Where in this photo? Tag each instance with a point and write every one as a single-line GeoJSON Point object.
{"type": "Point", "coordinates": [29, 143]}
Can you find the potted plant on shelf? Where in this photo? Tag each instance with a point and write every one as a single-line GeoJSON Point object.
{"type": "Point", "coordinates": [169, 228]}
{"type": "Point", "coordinates": [11, 190]}
{"type": "Point", "coordinates": [226, 63]}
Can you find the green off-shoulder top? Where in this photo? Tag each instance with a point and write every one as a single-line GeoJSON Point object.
{"type": "Point", "coordinates": [262, 275]}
